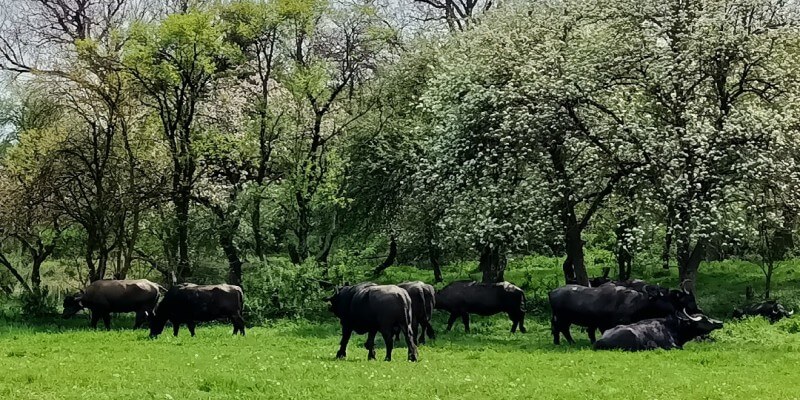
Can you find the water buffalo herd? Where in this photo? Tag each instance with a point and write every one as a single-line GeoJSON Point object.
{"type": "Point", "coordinates": [631, 315]}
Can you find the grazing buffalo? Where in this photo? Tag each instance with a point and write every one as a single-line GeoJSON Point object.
{"type": "Point", "coordinates": [771, 310]}
{"type": "Point", "coordinates": [369, 308]}
{"type": "Point", "coordinates": [462, 298]}
{"type": "Point", "coordinates": [667, 333]}
{"type": "Point", "coordinates": [422, 303]}
{"type": "Point", "coordinates": [104, 297]}
{"type": "Point", "coordinates": [189, 304]}
{"type": "Point", "coordinates": [609, 305]}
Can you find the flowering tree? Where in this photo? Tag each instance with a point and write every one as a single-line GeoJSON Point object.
{"type": "Point", "coordinates": [705, 78]}
{"type": "Point", "coordinates": [527, 138]}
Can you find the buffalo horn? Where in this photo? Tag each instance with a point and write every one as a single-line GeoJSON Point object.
{"type": "Point", "coordinates": [695, 319]}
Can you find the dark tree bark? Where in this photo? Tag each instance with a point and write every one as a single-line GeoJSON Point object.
{"type": "Point", "coordinates": [434, 256]}
{"type": "Point", "coordinates": [226, 241]}
{"type": "Point", "coordinates": [492, 263]}
{"type": "Point", "coordinates": [665, 252]}
{"type": "Point", "coordinates": [623, 253]}
{"type": "Point", "coordinates": [10, 267]}
{"type": "Point", "coordinates": [181, 199]}
{"type": "Point", "coordinates": [390, 259]}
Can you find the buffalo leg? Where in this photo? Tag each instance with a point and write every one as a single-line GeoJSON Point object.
{"type": "Point", "coordinates": [522, 323]}
{"type": "Point", "coordinates": [346, 332]}
{"type": "Point", "coordinates": [175, 327]}
{"type": "Point", "coordinates": [555, 331]}
{"type": "Point", "coordinates": [238, 324]}
{"type": "Point", "coordinates": [139, 321]}
{"type": "Point", "coordinates": [565, 332]}
{"type": "Point", "coordinates": [389, 340]}
{"type": "Point", "coordinates": [429, 330]}
{"type": "Point", "coordinates": [419, 332]}
{"type": "Point", "coordinates": [107, 321]}
{"type": "Point", "coordinates": [451, 321]}
{"type": "Point", "coordinates": [592, 336]}
{"type": "Point", "coordinates": [465, 320]}
{"type": "Point", "coordinates": [95, 319]}
{"type": "Point", "coordinates": [408, 334]}
{"type": "Point", "coordinates": [514, 322]}
{"type": "Point", "coordinates": [370, 345]}
{"type": "Point", "coordinates": [191, 326]}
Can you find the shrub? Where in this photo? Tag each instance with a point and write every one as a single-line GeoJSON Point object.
{"type": "Point", "coordinates": [279, 289]}
{"type": "Point", "coordinates": [38, 303]}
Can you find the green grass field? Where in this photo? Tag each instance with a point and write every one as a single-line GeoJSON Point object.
{"type": "Point", "coordinates": [55, 359]}
{"type": "Point", "coordinates": [748, 360]}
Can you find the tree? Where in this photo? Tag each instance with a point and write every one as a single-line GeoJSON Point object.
{"type": "Point", "coordinates": [520, 139]}
{"type": "Point", "coordinates": [175, 64]}
{"type": "Point", "coordinates": [333, 54]}
{"type": "Point", "coordinates": [28, 217]}
{"type": "Point", "coordinates": [706, 81]}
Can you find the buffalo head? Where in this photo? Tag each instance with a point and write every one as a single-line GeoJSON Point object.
{"type": "Point", "coordinates": [72, 304]}
{"type": "Point", "coordinates": [777, 312]}
{"type": "Point", "coordinates": [684, 300]}
{"type": "Point", "coordinates": [156, 324]}
{"type": "Point", "coordinates": [694, 325]}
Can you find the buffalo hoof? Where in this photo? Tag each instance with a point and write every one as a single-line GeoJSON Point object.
{"type": "Point", "coordinates": [387, 358]}
{"type": "Point", "coordinates": [412, 358]}
{"type": "Point", "coordinates": [340, 355]}
{"type": "Point", "coordinates": [371, 355]}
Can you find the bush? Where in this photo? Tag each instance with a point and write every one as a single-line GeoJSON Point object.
{"type": "Point", "coordinates": [38, 303]}
{"type": "Point", "coordinates": [279, 289]}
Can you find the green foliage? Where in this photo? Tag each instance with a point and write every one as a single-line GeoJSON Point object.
{"type": "Point", "coordinates": [38, 303]}
{"type": "Point", "coordinates": [279, 289]}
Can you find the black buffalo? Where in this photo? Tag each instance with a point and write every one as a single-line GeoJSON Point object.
{"type": "Point", "coordinates": [462, 298]}
{"type": "Point", "coordinates": [609, 305]}
{"type": "Point", "coordinates": [667, 333]}
{"type": "Point", "coordinates": [104, 297]}
{"type": "Point", "coordinates": [771, 310]}
{"type": "Point", "coordinates": [422, 303]}
{"type": "Point", "coordinates": [369, 308]}
{"type": "Point", "coordinates": [189, 304]}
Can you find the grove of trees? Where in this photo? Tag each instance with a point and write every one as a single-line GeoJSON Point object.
{"type": "Point", "coordinates": [156, 135]}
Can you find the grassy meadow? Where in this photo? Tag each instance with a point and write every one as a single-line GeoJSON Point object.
{"type": "Point", "coordinates": [55, 359]}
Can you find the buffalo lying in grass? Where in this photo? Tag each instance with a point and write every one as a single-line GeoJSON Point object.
{"type": "Point", "coordinates": [667, 333]}
{"type": "Point", "coordinates": [772, 310]}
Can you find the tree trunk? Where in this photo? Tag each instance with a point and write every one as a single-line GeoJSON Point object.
{"type": "Point", "coordinates": [689, 262]}
{"type": "Point", "coordinates": [226, 241]}
{"type": "Point", "coordinates": [302, 230]}
{"type": "Point", "coordinates": [492, 263]}
{"type": "Point", "coordinates": [255, 221]}
{"type": "Point", "coordinates": [768, 280]}
{"type": "Point", "coordinates": [624, 254]}
{"type": "Point", "coordinates": [389, 261]}
{"type": "Point", "coordinates": [575, 265]}
{"type": "Point", "coordinates": [433, 255]}
{"type": "Point", "coordinates": [36, 274]}
{"type": "Point", "coordinates": [181, 200]}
